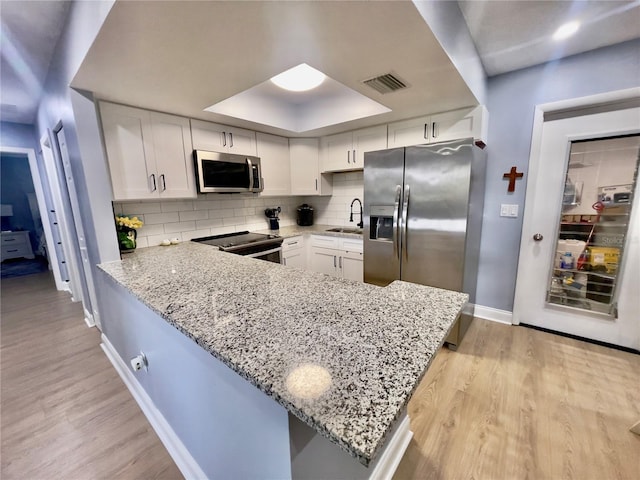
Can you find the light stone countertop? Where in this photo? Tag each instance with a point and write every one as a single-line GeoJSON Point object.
{"type": "Point", "coordinates": [294, 230]}
{"type": "Point", "coordinates": [342, 356]}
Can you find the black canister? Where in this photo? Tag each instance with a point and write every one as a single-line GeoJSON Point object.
{"type": "Point", "coordinates": [305, 215]}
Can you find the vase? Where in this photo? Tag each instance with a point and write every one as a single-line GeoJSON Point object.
{"type": "Point", "coordinates": [127, 239]}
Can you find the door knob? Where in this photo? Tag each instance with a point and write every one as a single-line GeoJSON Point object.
{"type": "Point", "coordinates": [537, 237]}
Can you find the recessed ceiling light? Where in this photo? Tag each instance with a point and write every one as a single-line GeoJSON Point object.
{"type": "Point", "coordinates": [299, 79]}
{"type": "Point", "coordinates": [566, 30]}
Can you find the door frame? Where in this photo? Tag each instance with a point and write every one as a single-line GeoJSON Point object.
{"type": "Point", "coordinates": [30, 154]}
{"type": "Point", "coordinates": [563, 109]}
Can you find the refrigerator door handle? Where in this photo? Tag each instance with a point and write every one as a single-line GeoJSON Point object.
{"type": "Point", "coordinates": [405, 221]}
{"type": "Point", "coordinates": [396, 214]}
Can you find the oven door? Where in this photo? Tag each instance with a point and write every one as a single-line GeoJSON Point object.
{"type": "Point", "coordinates": [272, 255]}
{"type": "Point", "coordinates": [227, 173]}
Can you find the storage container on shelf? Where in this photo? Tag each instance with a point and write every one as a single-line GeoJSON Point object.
{"type": "Point", "coordinates": [574, 247]}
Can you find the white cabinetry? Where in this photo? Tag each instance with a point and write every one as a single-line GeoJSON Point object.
{"type": "Point", "coordinates": [294, 253]}
{"type": "Point", "coordinates": [149, 153]}
{"type": "Point", "coordinates": [274, 160]}
{"type": "Point", "coordinates": [213, 137]}
{"type": "Point", "coordinates": [306, 178]}
{"type": "Point", "coordinates": [16, 245]}
{"type": "Point", "coordinates": [440, 127]}
{"type": "Point", "coordinates": [337, 256]}
{"type": "Point", "coordinates": [345, 151]}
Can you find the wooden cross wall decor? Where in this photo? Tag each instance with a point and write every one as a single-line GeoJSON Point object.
{"type": "Point", "coordinates": [513, 175]}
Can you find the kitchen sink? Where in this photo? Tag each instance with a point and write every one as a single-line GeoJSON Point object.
{"type": "Point", "coordinates": [345, 230]}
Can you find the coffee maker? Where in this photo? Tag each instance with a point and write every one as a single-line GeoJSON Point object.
{"type": "Point", "coordinates": [272, 215]}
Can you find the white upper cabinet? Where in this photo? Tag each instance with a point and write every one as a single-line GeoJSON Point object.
{"type": "Point", "coordinates": [336, 151]}
{"type": "Point", "coordinates": [414, 131]}
{"type": "Point", "coordinates": [149, 153]}
{"type": "Point", "coordinates": [305, 168]}
{"type": "Point", "coordinates": [345, 151]}
{"type": "Point", "coordinates": [440, 127]}
{"type": "Point", "coordinates": [368, 140]}
{"type": "Point", "coordinates": [274, 160]}
{"type": "Point", "coordinates": [213, 137]}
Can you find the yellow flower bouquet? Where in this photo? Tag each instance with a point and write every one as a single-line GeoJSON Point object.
{"type": "Point", "coordinates": [127, 234]}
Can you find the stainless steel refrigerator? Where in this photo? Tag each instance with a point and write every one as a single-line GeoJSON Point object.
{"type": "Point", "coordinates": [423, 218]}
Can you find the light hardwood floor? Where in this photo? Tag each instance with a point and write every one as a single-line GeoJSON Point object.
{"type": "Point", "coordinates": [65, 413]}
{"type": "Point", "coordinates": [511, 403]}
{"type": "Point", "coordinates": [516, 403]}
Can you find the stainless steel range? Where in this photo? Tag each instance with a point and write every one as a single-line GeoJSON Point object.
{"type": "Point", "coordinates": [255, 245]}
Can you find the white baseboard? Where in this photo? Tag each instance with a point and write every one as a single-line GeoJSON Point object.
{"type": "Point", "coordinates": [390, 458]}
{"type": "Point", "coordinates": [178, 452]}
{"type": "Point", "coordinates": [493, 314]}
{"type": "Point", "coordinates": [88, 319]}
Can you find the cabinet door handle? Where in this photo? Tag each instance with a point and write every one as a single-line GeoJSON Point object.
{"type": "Point", "coordinates": [340, 262]}
{"type": "Point", "coordinates": [9, 239]}
{"type": "Point", "coordinates": [334, 261]}
{"type": "Point", "coordinates": [231, 139]}
{"type": "Point", "coordinates": [433, 130]}
{"type": "Point", "coordinates": [292, 243]}
{"type": "Point", "coordinates": [153, 178]}
{"type": "Point", "coordinates": [164, 185]}
{"type": "Point", "coordinates": [316, 184]}
{"type": "Point", "coordinates": [224, 139]}
{"type": "Point", "coordinates": [354, 156]}
{"type": "Point", "coordinates": [348, 156]}
{"type": "Point", "coordinates": [284, 262]}
{"type": "Point", "coordinates": [426, 125]}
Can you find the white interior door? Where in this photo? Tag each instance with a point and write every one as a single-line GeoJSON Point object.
{"type": "Point", "coordinates": [542, 216]}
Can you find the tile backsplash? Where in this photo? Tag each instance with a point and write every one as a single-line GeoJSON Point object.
{"type": "Point", "coordinates": [334, 210]}
{"type": "Point", "coordinates": [214, 214]}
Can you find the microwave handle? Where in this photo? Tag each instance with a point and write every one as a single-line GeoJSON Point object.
{"type": "Point", "coordinates": [250, 174]}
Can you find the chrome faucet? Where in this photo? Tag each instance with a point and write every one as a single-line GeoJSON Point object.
{"type": "Point", "coordinates": [361, 223]}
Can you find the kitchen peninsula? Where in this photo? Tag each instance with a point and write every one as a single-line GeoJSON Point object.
{"type": "Point", "coordinates": [259, 370]}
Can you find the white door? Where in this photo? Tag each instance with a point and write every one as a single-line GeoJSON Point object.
{"type": "Point", "coordinates": [537, 264]}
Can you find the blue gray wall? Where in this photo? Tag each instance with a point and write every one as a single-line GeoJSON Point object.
{"type": "Point", "coordinates": [16, 181]}
{"type": "Point", "coordinates": [17, 135]}
{"type": "Point", "coordinates": [75, 111]}
{"type": "Point", "coordinates": [512, 98]}
{"type": "Point", "coordinates": [15, 184]}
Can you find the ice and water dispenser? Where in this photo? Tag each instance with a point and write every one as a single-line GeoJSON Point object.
{"type": "Point", "coordinates": [381, 226]}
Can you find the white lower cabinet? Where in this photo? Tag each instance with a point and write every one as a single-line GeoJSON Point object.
{"type": "Point", "coordinates": [337, 256]}
{"type": "Point", "coordinates": [16, 245]}
{"type": "Point", "coordinates": [294, 253]}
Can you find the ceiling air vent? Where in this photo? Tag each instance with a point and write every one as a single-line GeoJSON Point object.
{"type": "Point", "coordinates": [386, 83]}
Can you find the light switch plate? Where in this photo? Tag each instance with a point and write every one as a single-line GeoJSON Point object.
{"type": "Point", "coordinates": [507, 210]}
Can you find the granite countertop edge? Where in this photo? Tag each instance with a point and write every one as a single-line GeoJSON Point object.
{"type": "Point", "coordinates": [365, 457]}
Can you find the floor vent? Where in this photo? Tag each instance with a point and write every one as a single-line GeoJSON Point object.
{"type": "Point", "coordinates": [385, 83]}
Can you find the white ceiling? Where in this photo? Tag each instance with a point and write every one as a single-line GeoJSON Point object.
{"type": "Point", "coordinates": [510, 35]}
{"type": "Point", "coordinates": [183, 57]}
{"type": "Point", "coordinates": [30, 31]}
{"type": "Point", "coordinates": [182, 60]}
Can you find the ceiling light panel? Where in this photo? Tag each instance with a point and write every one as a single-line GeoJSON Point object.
{"type": "Point", "coordinates": [566, 30]}
{"type": "Point", "coordinates": [299, 79]}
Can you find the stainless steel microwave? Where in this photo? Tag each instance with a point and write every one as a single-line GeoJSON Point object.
{"type": "Point", "coordinates": [227, 173]}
